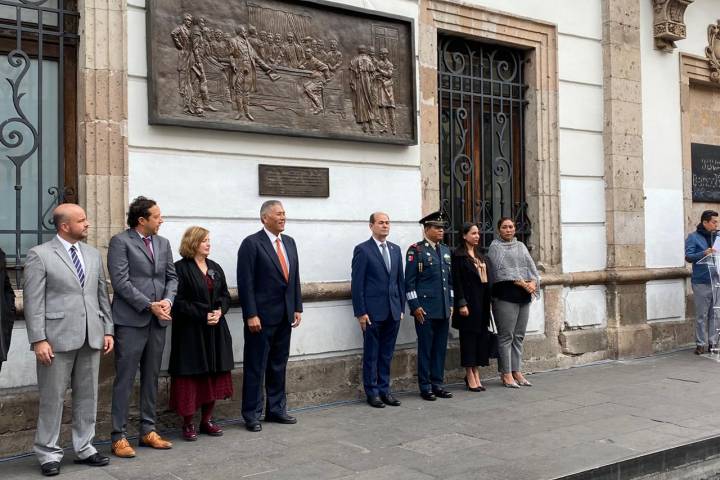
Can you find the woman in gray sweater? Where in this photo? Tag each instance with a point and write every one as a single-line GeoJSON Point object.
{"type": "Point", "coordinates": [515, 281]}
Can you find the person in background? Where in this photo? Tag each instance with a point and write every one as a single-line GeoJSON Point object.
{"type": "Point", "coordinates": [471, 315]}
{"type": "Point", "coordinates": [268, 277]}
{"type": "Point", "coordinates": [515, 281]}
{"type": "Point", "coordinates": [698, 245]}
{"type": "Point", "coordinates": [7, 310]}
{"type": "Point", "coordinates": [428, 287]}
{"type": "Point", "coordinates": [143, 277]}
{"type": "Point", "coordinates": [378, 296]}
{"type": "Point", "coordinates": [201, 356]}
{"type": "Point", "coordinates": [68, 320]}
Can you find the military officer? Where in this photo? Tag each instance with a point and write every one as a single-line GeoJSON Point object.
{"type": "Point", "coordinates": [428, 287]}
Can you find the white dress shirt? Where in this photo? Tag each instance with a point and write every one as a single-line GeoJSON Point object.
{"type": "Point", "coordinates": [67, 246]}
{"type": "Point", "coordinates": [273, 238]}
{"type": "Point", "coordinates": [152, 249]}
{"type": "Point", "coordinates": [387, 245]}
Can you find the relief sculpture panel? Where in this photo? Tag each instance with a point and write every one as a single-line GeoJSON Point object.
{"type": "Point", "coordinates": [299, 68]}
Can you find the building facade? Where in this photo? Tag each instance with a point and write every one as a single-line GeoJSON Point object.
{"type": "Point", "coordinates": [589, 105]}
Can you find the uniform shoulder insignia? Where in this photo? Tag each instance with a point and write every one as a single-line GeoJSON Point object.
{"type": "Point", "coordinates": [414, 245]}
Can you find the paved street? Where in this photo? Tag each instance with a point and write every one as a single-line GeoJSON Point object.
{"type": "Point", "coordinates": [570, 420]}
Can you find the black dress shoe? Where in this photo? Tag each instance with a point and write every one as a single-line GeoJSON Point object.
{"type": "Point", "coordinates": [253, 426]}
{"type": "Point", "coordinates": [442, 393]}
{"type": "Point", "coordinates": [50, 469]}
{"type": "Point", "coordinates": [94, 460]}
{"type": "Point", "coordinates": [375, 402]}
{"type": "Point", "coordinates": [390, 400]}
{"type": "Point", "coordinates": [283, 418]}
{"type": "Point", "coordinates": [429, 396]}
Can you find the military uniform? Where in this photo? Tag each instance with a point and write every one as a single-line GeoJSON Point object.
{"type": "Point", "coordinates": [428, 284]}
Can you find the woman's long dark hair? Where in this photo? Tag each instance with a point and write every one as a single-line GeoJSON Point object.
{"type": "Point", "coordinates": [462, 247]}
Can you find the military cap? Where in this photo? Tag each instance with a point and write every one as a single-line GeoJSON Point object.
{"type": "Point", "coordinates": [435, 219]}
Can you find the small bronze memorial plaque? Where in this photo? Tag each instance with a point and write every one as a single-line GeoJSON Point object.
{"type": "Point", "coordinates": [705, 172]}
{"type": "Point", "coordinates": [282, 181]}
{"type": "Point", "coordinates": [302, 68]}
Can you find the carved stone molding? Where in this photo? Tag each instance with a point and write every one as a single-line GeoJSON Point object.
{"type": "Point", "coordinates": [669, 23]}
{"type": "Point", "coordinates": [712, 51]}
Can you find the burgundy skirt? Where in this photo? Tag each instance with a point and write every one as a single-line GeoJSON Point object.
{"type": "Point", "coordinates": [189, 393]}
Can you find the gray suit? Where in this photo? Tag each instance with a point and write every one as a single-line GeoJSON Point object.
{"type": "Point", "coordinates": [138, 279]}
{"type": "Point", "coordinates": [74, 320]}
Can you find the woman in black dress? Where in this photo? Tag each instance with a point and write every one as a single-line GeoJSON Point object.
{"type": "Point", "coordinates": [472, 305]}
{"type": "Point", "coordinates": [201, 358]}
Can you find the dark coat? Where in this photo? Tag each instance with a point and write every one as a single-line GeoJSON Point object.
{"type": "Point", "coordinates": [470, 292]}
{"type": "Point", "coordinates": [7, 309]}
{"type": "Point", "coordinates": [375, 291]}
{"type": "Point", "coordinates": [262, 288]}
{"type": "Point", "coordinates": [199, 348]}
{"type": "Point", "coordinates": [428, 281]}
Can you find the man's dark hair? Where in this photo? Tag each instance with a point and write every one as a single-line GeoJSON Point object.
{"type": "Point", "coordinates": [707, 215]}
{"type": "Point", "coordinates": [139, 208]}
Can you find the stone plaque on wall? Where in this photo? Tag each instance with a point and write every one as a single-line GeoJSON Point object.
{"type": "Point", "coordinates": [301, 68]}
{"type": "Point", "coordinates": [282, 181]}
{"type": "Point", "coordinates": [705, 172]}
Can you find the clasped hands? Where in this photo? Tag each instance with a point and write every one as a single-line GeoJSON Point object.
{"type": "Point", "coordinates": [529, 285]}
{"type": "Point", "coordinates": [161, 310]}
{"type": "Point", "coordinates": [214, 317]}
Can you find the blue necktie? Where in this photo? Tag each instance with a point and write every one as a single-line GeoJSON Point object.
{"type": "Point", "coordinates": [78, 266]}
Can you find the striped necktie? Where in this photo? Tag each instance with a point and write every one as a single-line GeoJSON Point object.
{"type": "Point", "coordinates": [78, 266]}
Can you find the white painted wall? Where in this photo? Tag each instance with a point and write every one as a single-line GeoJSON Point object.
{"type": "Point", "coordinates": [210, 178]}
{"type": "Point", "coordinates": [662, 154]}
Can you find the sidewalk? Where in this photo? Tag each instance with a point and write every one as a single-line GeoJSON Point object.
{"type": "Point", "coordinates": [569, 421]}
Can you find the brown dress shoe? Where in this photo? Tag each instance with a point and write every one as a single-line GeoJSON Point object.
{"type": "Point", "coordinates": [154, 440]}
{"type": "Point", "coordinates": [121, 448]}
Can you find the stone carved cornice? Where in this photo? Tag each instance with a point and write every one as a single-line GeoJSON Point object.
{"type": "Point", "coordinates": [712, 51]}
{"type": "Point", "coordinates": [669, 23]}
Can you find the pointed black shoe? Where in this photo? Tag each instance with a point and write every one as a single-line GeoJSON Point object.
{"type": "Point", "coordinates": [442, 393]}
{"type": "Point", "coordinates": [429, 396]}
{"type": "Point", "coordinates": [50, 469]}
{"type": "Point", "coordinates": [283, 418]}
{"type": "Point", "coordinates": [94, 460]}
{"type": "Point", "coordinates": [253, 426]}
{"type": "Point", "coordinates": [389, 399]}
{"type": "Point", "coordinates": [375, 402]}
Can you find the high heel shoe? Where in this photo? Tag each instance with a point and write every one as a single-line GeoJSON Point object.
{"type": "Point", "coordinates": [524, 383]}
{"type": "Point", "coordinates": [473, 389]}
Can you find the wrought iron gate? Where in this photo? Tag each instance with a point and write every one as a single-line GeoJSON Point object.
{"type": "Point", "coordinates": [38, 59]}
{"type": "Point", "coordinates": [481, 94]}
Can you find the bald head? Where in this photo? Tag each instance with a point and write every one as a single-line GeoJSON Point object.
{"type": "Point", "coordinates": [380, 225]}
{"type": "Point", "coordinates": [70, 222]}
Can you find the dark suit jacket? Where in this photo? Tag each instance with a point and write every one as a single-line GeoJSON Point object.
{"type": "Point", "coordinates": [7, 309]}
{"type": "Point", "coordinates": [199, 348]}
{"type": "Point", "coordinates": [137, 280]}
{"type": "Point", "coordinates": [470, 292]}
{"type": "Point", "coordinates": [262, 288]}
{"type": "Point", "coordinates": [375, 291]}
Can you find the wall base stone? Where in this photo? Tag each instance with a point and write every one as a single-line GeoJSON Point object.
{"type": "Point", "coordinates": [577, 342]}
{"type": "Point", "coordinates": [631, 341]}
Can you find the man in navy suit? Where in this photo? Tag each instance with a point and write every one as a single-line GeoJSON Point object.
{"type": "Point", "coordinates": [269, 289]}
{"type": "Point", "coordinates": [378, 302]}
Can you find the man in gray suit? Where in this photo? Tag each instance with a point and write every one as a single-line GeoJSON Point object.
{"type": "Point", "coordinates": [144, 281]}
{"type": "Point", "coordinates": [67, 314]}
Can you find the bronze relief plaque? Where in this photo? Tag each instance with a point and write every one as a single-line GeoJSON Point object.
{"type": "Point", "coordinates": [301, 68]}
